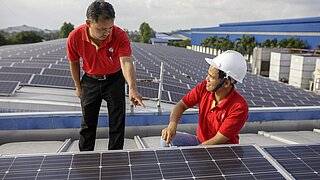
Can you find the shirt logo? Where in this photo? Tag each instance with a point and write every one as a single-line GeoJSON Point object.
{"type": "Point", "coordinates": [111, 49]}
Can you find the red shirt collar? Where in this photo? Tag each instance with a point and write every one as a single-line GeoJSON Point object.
{"type": "Point", "coordinates": [226, 100]}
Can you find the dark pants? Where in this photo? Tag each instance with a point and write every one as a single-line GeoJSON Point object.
{"type": "Point", "coordinates": [93, 91]}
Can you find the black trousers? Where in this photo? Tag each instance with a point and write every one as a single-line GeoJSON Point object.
{"type": "Point", "coordinates": [93, 92]}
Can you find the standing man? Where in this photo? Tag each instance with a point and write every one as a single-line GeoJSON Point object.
{"type": "Point", "coordinates": [106, 61]}
{"type": "Point", "coordinates": [222, 110]}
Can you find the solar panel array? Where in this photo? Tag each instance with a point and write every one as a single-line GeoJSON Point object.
{"type": "Point", "coordinates": [227, 162]}
{"type": "Point", "coordinates": [40, 64]}
{"type": "Point", "coordinates": [184, 69]}
{"type": "Point", "coordinates": [46, 64]}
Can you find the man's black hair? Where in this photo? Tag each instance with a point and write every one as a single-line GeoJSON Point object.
{"type": "Point", "coordinates": [222, 75]}
{"type": "Point", "coordinates": [100, 9]}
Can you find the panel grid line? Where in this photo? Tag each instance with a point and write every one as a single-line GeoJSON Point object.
{"type": "Point", "coordinates": [214, 161]}
{"type": "Point", "coordinates": [158, 162]}
{"type": "Point", "coordinates": [300, 159]}
{"type": "Point", "coordinates": [186, 161]}
{"type": "Point", "coordinates": [242, 162]}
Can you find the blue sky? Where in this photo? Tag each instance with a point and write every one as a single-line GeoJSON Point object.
{"type": "Point", "coordinates": [162, 15]}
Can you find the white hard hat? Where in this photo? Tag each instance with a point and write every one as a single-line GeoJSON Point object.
{"type": "Point", "coordinates": [232, 63]}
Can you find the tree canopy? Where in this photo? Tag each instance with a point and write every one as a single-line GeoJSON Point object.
{"type": "Point", "coordinates": [146, 33]}
{"type": "Point", "coordinates": [65, 29]}
{"type": "Point", "coordinates": [3, 40]}
{"type": "Point", "coordinates": [26, 37]}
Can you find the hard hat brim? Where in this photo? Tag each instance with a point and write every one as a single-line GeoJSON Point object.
{"type": "Point", "coordinates": [213, 62]}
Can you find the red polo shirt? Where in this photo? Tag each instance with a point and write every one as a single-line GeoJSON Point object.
{"type": "Point", "coordinates": [105, 60]}
{"type": "Point", "coordinates": [227, 117]}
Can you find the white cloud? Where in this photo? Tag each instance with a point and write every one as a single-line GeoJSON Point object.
{"type": "Point", "coordinates": [162, 15]}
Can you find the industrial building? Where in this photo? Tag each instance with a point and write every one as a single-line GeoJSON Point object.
{"type": "Point", "coordinates": [306, 29]}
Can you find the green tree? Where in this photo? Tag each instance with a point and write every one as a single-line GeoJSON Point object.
{"type": "Point", "coordinates": [183, 43]}
{"type": "Point", "coordinates": [293, 42]}
{"type": "Point", "coordinates": [274, 43]}
{"type": "Point", "coordinates": [211, 41]}
{"type": "Point", "coordinates": [3, 40]}
{"type": "Point", "coordinates": [245, 44]}
{"type": "Point", "coordinates": [26, 37]}
{"type": "Point", "coordinates": [318, 47]}
{"type": "Point", "coordinates": [207, 42]}
{"type": "Point", "coordinates": [215, 42]}
{"type": "Point", "coordinates": [225, 43]}
{"type": "Point", "coordinates": [48, 35]}
{"type": "Point", "coordinates": [266, 43]}
{"type": "Point", "coordinates": [134, 36]}
{"type": "Point", "coordinates": [146, 33]}
{"type": "Point", "coordinates": [65, 29]}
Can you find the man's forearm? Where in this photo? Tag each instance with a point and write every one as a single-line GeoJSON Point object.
{"type": "Point", "coordinates": [217, 139]}
{"type": "Point", "coordinates": [75, 73]}
{"type": "Point", "coordinates": [128, 73]}
{"type": "Point", "coordinates": [177, 112]}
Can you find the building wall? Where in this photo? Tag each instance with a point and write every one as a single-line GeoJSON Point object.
{"type": "Point", "coordinates": [306, 29]}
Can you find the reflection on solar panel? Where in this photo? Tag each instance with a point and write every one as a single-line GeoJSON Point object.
{"type": "Point", "coordinates": [301, 161]}
{"type": "Point", "coordinates": [234, 162]}
{"type": "Point", "coordinates": [8, 87]}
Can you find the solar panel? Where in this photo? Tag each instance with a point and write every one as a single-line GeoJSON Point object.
{"type": "Point", "coordinates": [31, 65]}
{"type": "Point", "coordinates": [301, 161]}
{"type": "Point", "coordinates": [11, 60]}
{"type": "Point", "coordinates": [232, 162]}
{"type": "Point", "coordinates": [5, 63]}
{"type": "Point", "coordinates": [176, 97]}
{"type": "Point", "coordinates": [148, 92]}
{"type": "Point", "coordinates": [52, 81]}
{"type": "Point", "coordinates": [42, 61]}
{"type": "Point", "coordinates": [151, 85]}
{"type": "Point", "coordinates": [22, 78]}
{"type": "Point", "coordinates": [8, 87]}
{"type": "Point", "coordinates": [60, 66]}
{"type": "Point", "coordinates": [176, 89]}
{"type": "Point", "coordinates": [21, 70]}
{"type": "Point", "coordinates": [58, 72]}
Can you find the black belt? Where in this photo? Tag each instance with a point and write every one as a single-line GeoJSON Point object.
{"type": "Point", "coordinates": [102, 77]}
